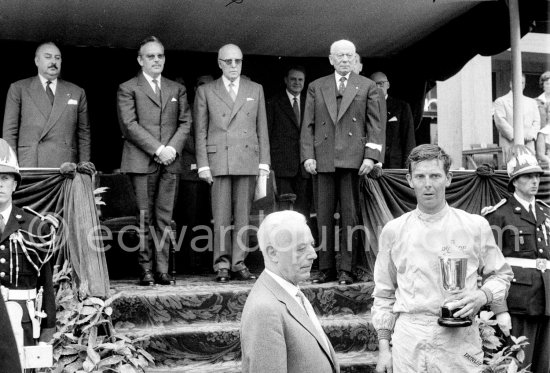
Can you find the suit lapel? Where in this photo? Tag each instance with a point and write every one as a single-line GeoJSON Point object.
{"type": "Point", "coordinates": [221, 92]}
{"type": "Point", "coordinates": [287, 108]}
{"type": "Point", "coordinates": [62, 97]}
{"type": "Point", "coordinates": [13, 223]}
{"type": "Point", "coordinates": [349, 93]}
{"type": "Point", "coordinates": [244, 89]}
{"type": "Point", "coordinates": [38, 95]}
{"type": "Point", "coordinates": [144, 85]}
{"type": "Point", "coordinates": [295, 311]}
{"type": "Point", "coordinates": [166, 92]}
{"type": "Point", "coordinates": [329, 94]}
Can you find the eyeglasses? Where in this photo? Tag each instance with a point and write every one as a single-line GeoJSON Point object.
{"type": "Point", "coordinates": [340, 56]}
{"type": "Point", "coordinates": [229, 61]}
{"type": "Point", "coordinates": [381, 83]}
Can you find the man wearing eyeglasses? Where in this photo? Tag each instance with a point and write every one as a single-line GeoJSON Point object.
{"type": "Point", "coordinates": [155, 119]}
{"type": "Point", "coordinates": [341, 140]}
{"type": "Point", "coordinates": [399, 126]}
{"type": "Point", "coordinates": [232, 146]}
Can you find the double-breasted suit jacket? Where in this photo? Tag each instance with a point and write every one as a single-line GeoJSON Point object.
{"type": "Point", "coordinates": [147, 123]}
{"type": "Point", "coordinates": [231, 137]}
{"type": "Point", "coordinates": [400, 138]}
{"type": "Point", "coordinates": [27, 276]}
{"type": "Point", "coordinates": [44, 135]}
{"type": "Point", "coordinates": [278, 336]}
{"type": "Point", "coordinates": [284, 135]}
{"type": "Point", "coordinates": [342, 138]}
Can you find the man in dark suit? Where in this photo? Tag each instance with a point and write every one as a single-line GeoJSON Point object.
{"type": "Point", "coordinates": [232, 146]}
{"type": "Point", "coordinates": [155, 120]}
{"type": "Point", "coordinates": [521, 225]}
{"type": "Point", "coordinates": [341, 139]}
{"type": "Point", "coordinates": [284, 117]}
{"type": "Point", "coordinates": [399, 126]}
{"type": "Point", "coordinates": [280, 331]}
{"type": "Point", "coordinates": [46, 118]}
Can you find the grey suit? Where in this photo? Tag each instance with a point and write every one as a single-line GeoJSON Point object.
{"type": "Point", "coordinates": [232, 139]}
{"type": "Point", "coordinates": [44, 135]}
{"type": "Point", "coordinates": [278, 336]}
{"type": "Point", "coordinates": [147, 123]}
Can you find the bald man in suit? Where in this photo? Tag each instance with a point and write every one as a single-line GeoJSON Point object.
{"type": "Point", "coordinates": [46, 118]}
{"type": "Point", "coordinates": [232, 146]}
{"type": "Point", "coordinates": [280, 332]}
{"type": "Point", "coordinates": [155, 119]}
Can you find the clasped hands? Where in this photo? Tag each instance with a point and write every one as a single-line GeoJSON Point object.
{"type": "Point", "coordinates": [166, 156]}
{"type": "Point", "coordinates": [310, 166]}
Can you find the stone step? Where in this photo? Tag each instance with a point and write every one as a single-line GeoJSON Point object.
{"type": "Point", "coordinates": [350, 362]}
{"type": "Point", "coordinates": [217, 342]}
{"type": "Point", "coordinates": [199, 298]}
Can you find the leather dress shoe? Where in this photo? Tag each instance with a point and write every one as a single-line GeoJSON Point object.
{"type": "Point", "coordinates": [164, 279]}
{"type": "Point", "coordinates": [222, 275]}
{"type": "Point", "coordinates": [147, 279]}
{"type": "Point", "coordinates": [344, 278]}
{"type": "Point", "coordinates": [324, 276]}
{"type": "Point", "coordinates": [244, 274]}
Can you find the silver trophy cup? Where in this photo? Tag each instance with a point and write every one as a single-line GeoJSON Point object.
{"type": "Point", "coordinates": [453, 274]}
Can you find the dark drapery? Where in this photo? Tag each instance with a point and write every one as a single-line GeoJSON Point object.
{"type": "Point", "coordinates": [386, 195]}
{"type": "Point", "coordinates": [68, 194]}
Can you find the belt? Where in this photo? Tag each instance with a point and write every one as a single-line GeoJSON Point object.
{"type": "Point", "coordinates": [18, 294]}
{"type": "Point", "coordinates": [541, 264]}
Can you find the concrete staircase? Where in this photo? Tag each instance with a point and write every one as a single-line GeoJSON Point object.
{"type": "Point", "coordinates": [194, 326]}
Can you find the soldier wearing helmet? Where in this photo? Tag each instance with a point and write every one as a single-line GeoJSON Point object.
{"type": "Point", "coordinates": [521, 225]}
{"type": "Point", "coordinates": [25, 275]}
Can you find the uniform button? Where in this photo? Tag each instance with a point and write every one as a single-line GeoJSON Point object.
{"type": "Point", "coordinates": [538, 239]}
{"type": "Point", "coordinates": [538, 229]}
{"type": "Point", "coordinates": [2, 247]}
{"type": "Point", "coordinates": [354, 120]}
{"type": "Point", "coordinates": [2, 260]}
{"type": "Point", "coordinates": [520, 231]}
{"type": "Point", "coordinates": [514, 280]}
{"type": "Point", "coordinates": [2, 274]}
{"type": "Point", "coordinates": [541, 250]}
{"type": "Point", "coordinates": [350, 133]}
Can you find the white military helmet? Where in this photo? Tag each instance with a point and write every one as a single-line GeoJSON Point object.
{"type": "Point", "coordinates": [8, 161]}
{"type": "Point", "coordinates": [522, 161]}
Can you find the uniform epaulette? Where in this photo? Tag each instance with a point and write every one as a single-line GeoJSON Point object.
{"type": "Point", "coordinates": [544, 203]}
{"type": "Point", "coordinates": [489, 209]}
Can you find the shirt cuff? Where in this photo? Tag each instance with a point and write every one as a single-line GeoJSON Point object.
{"type": "Point", "coordinates": [159, 150]}
{"type": "Point", "coordinates": [203, 169]}
{"type": "Point", "coordinates": [384, 334]}
{"type": "Point", "coordinates": [374, 146]}
{"type": "Point", "coordinates": [264, 167]}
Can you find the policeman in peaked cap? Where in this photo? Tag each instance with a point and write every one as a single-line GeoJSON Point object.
{"type": "Point", "coordinates": [25, 275]}
{"type": "Point", "coordinates": [521, 225]}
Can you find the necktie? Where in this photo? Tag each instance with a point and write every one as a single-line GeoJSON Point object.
{"type": "Point", "coordinates": [157, 88]}
{"type": "Point", "coordinates": [49, 91]}
{"type": "Point", "coordinates": [296, 108]}
{"type": "Point", "coordinates": [532, 212]}
{"type": "Point", "coordinates": [232, 91]}
{"type": "Point", "coordinates": [2, 224]}
{"type": "Point", "coordinates": [311, 314]}
{"type": "Point", "coordinates": [342, 86]}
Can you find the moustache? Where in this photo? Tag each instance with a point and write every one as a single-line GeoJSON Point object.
{"type": "Point", "coordinates": [52, 65]}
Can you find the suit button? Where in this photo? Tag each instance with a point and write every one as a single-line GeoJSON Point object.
{"type": "Point", "coordinates": [2, 260]}
{"type": "Point", "coordinates": [351, 134]}
{"type": "Point", "coordinates": [540, 251]}
{"type": "Point", "coordinates": [2, 274]}
{"type": "Point", "coordinates": [326, 136]}
{"type": "Point", "coordinates": [354, 120]}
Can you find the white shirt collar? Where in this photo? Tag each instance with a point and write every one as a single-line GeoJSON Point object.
{"type": "Point", "coordinates": [150, 80]}
{"type": "Point", "coordinates": [236, 83]}
{"type": "Point", "coordinates": [525, 203]}
{"type": "Point", "coordinates": [43, 81]}
{"type": "Point", "coordinates": [338, 76]}
{"type": "Point", "coordinates": [291, 289]}
{"type": "Point", "coordinates": [6, 214]}
{"type": "Point", "coordinates": [291, 97]}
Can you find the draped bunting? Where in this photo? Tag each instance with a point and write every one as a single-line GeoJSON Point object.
{"type": "Point", "coordinates": [386, 195]}
{"type": "Point", "coordinates": [67, 193]}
